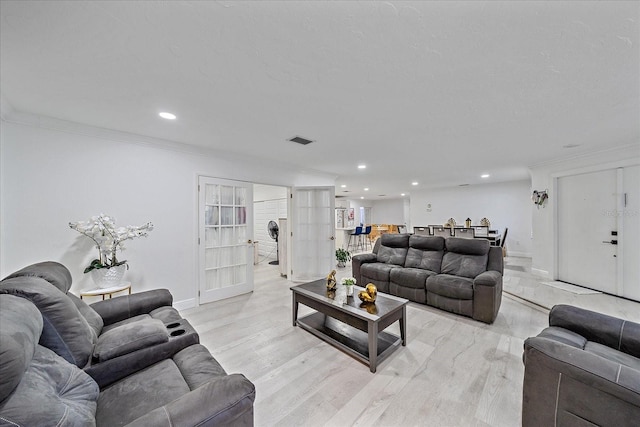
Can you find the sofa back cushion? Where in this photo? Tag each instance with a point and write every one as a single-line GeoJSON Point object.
{"type": "Point", "coordinates": [465, 257]}
{"type": "Point", "coordinates": [65, 330]}
{"type": "Point", "coordinates": [393, 248]}
{"type": "Point", "coordinates": [425, 252]}
{"type": "Point", "coordinates": [53, 272]}
{"type": "Point", "coordinates": [20, 327]}
{"type": "Point", "coordinates": [59, 276]}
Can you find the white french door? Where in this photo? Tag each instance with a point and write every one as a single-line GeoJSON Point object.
{"type": "Point", "coordinates": [225, 230]}
{"type": "Point", "coordinates": [313, 232]}
{"type": "Point", "coordinates": [599, 230]}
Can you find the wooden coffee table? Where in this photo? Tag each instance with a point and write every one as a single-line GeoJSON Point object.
{"type": "Point", "coordinates": [355, 328]}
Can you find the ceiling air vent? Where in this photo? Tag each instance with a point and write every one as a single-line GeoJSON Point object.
{"type": "Point", "coordinates": [300, 140]}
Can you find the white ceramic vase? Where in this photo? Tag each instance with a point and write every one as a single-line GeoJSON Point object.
{"type": "Point", "coordinates": [108, 277]}
{"type": "Point", "coordinates": [349, 290]}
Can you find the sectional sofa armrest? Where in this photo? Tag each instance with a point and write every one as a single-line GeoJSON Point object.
{"type": "Point", "coordinates": [487, 296]}
{"type": "Point", "coordinates": [123, 307]}
{"type": "Point", "coordinates": [356, 263]}
{"type": "Point", "coordinates": [225, 400]}
{"type": "Point", "coordinates": [564, 384]}
{"type": "Point", "coordinates": [488, 278]}
{"type": "Point", "coordinates": [613, 332]}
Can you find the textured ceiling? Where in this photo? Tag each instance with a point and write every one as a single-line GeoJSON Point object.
{"type": "Point", "coordinates": [433, 92]}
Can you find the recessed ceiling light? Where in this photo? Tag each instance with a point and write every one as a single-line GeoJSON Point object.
{"type": "Point", "coordinates": [362, 166]}
{"type": "Point", "coordinates": [486, 175]}
{"type": "Point", "coordinates": [402, 194]}
{"type": "Point", "coordinates": [366, 189]}
{"type": "Point", "coordinates": [361, 197]}
{"type": "Point", "coordinates": [167, 116]}
{"type": "Point", "coordinates": [343, 186]}
{"type": "Point", "coordinates": [414, 183]}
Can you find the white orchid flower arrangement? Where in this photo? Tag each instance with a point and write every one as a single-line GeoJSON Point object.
{"type": "Point", "coordinates": [108, 238]}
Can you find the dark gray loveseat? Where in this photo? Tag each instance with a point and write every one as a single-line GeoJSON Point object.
{"type": "Point", "coordinates": [583, 370]}
{"type": "Point", "coordinates": [463, 276]}
{"type": "Point", "coordinates": [40, 388]}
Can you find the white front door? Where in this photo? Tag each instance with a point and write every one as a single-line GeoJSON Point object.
{"type": "Point", "coordinates": [630, 217]}
{"type": "Point", "coordinates": [313, 232]}
{"type": "Point", "coordinates": [225, 230]}
{"type": "Point", "coordinates": [597, 235]}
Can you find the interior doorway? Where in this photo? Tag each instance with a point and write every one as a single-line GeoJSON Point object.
{"type": "Point", "coordinates": [270, 206]}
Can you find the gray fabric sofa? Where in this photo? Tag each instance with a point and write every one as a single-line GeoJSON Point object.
{"type": "Point", "coordinates": [40, 388]}
{"type": "Point", "coordinates": [109, 339]}
{"type": "Point", "coordinates": [463, 276]}
{"type": "Point", "coordinates": [583, 370]}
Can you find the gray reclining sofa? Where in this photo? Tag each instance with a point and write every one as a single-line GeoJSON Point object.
{"type": "Point", "coordinates": [109, 339]}
{"type": "Point", "coordinates": [583, 370]}
{"type": "Point", "coordinates": [40, 388]}
{"type": "Point", "coordinates": [463, 276]}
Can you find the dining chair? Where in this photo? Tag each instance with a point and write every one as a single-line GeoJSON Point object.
{"type": "Point", "coordinates": [503, 240]}
{"type": "Point", "coordinates": [442, 231]}
{"type": "Point", "coordinates": [465, 233]}
{"type": "Point", "coordinates": [421, 231]}
{"type": "Point", "coordinates": [402, 229]}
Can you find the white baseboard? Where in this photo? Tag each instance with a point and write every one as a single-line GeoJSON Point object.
{"type": "Point", "coordinates": [185, 304]}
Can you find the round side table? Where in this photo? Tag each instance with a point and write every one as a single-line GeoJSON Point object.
{"type": "Point", "coordinates": [106, 291]}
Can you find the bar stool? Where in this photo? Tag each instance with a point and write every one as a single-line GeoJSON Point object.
{"type": "Point", "coordinates": [365, 235]}
{"type": "Point", "coordinates": [358, 236]}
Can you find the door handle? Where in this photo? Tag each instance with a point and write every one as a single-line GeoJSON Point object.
{"type": "Point", "coordinates": [332, 238]}
{"type": "Point", "coordinates": [613, 242]}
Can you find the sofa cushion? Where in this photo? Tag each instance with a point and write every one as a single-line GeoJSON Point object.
{"type": "Point", "coordinates": [415, 278]}
{"type": "Point", "coordinates": [90, 315]}
{"type": "Point", "coordinates": [53, 272]}
{"type": "Point", "coordinates": [451, 286]}
{"type": "Point", "coordinates": [65, 330]}
{"type": "Point", "coordinates": [465, 257]}
{"type": "Point", "coordinates": [21, 327]}
{"type": "Point", "coordinates": [377, 271]}
{"type": "Point", "coordinates": [133, 319]}
{"type": "Point", "coordinates": [130, 337]}
{"type": "Point", "coordinates": [613, 355]}
{"type": "Point", "coordinates": [425, 252]}
{"type": "Point", "coordinates": [52, 392]}
{"type": "Point", "coordinates": [393, 248]}
{"type": "Point", "coordinates": [142, 392]}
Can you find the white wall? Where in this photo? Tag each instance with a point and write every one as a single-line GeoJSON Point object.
{"type": "Point", "coordinates": [544, 176]}
{"type": "Point", "coordinates": [505, 204]}
{"type": "Point", "coordinates": [50, 177]}
{"type": "Point", "coordinates": [389, 211]}
{"type": "Point", "coordinates": [269, 204]}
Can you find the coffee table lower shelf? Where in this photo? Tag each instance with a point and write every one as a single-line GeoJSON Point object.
{"type": "Point", "coordinates": [349, 339]}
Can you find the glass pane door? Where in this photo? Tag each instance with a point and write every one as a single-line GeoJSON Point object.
{"type": "Point", "coordinates": [226, 267]}
{"type": "Point", "coordinates": [313, 227]}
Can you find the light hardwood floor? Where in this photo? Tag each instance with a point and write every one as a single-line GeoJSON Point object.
{"type": "Point", "coordinates": [454, 371]}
